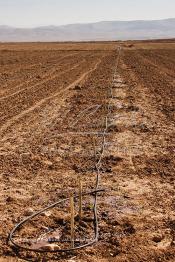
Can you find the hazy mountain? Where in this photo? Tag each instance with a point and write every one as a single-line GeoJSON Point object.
{"type": "Point", "coordinates": [114, 30]}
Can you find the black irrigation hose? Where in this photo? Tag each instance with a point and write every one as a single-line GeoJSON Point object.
{"type": "Point", "coordinates": [97, 167]}
{"type": "Point", "coordinates": [40, 212]}
{"type": "Point", "coordinates": [98, 164]}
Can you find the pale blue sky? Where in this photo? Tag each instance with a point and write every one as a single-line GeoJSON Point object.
{"type": "Point", "coordinates": [30, 13]}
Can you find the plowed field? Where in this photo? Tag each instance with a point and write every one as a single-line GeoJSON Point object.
{"type": "Point", "coordinates": [54, 100]}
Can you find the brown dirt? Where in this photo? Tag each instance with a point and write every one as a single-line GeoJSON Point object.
{"type": "Point", "coordinates": [44, 88]}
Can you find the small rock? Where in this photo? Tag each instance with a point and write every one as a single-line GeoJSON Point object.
{"type": "Point", "coordinates": [50, 247]}
{"type": "Point", "coordinates": [46, 213]}
{"type": "Point", "coordinates": [29, 212]}
{"type": "Point", "coordinates": [48, 163]}
{"type": "Point", "coordinates": [164, 244]}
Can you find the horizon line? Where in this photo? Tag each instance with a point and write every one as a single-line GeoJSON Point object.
{"type": "Point", "coordinates": [83, 23]}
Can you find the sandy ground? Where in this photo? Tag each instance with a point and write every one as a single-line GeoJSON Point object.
{"type": "Point", "coordinates": [47, 93]}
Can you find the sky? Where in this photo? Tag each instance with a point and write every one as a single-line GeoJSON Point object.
{"type": "Point", "coordinates": [32, 13]}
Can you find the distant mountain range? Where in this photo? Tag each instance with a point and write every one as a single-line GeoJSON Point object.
{"type": "Point", "coordinates": [107, 30]}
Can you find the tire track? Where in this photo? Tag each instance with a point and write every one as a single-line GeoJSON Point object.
{"type": "Point", "coordinates": [45, 100]}
{"type": "Point", "coordinates": [21, 100]}
{"type": "Point", "coordinates": [52, 70]}
{"type": "Point", "coordinates": [47, 79]}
